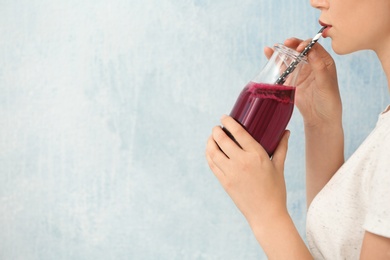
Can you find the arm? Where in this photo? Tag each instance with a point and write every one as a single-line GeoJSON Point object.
{"type": "Point", "coordinates": [281, 240]}
{"type": "Point", "coordinates": [375, 247]}
{"type": "Point", "coordinates": [324, 156]}
{"type": "Point", "coordinates": [256, 185]}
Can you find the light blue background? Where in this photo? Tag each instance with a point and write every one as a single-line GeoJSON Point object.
{"type": "Point", "coordinates": [105, 108]}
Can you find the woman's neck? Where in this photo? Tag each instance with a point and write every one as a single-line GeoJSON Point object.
{"type": "Point", "coordinates": [384, 58]}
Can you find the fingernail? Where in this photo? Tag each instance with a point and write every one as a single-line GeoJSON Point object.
{"type": "Point", "coordinates": [301, 46]}
{"type": "Point", "coordinates": [288, 134]}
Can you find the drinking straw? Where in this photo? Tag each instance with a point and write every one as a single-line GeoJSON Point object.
{"type": "Point", "coordinates": [294, 64]}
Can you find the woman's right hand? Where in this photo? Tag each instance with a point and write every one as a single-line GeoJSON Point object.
{"type": "Point", "coordinates": [317, 94]}
{"type": "Point", "coordinates": [318, 99]}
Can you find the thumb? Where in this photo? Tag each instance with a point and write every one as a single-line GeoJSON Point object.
{"type": "Point", "coordinates": [280, 153]}
{"type": "Point", "coordinates": [268, 52]}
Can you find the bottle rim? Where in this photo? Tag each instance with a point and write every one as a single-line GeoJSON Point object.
{"type": "Point", "coordinates": [289, 52]}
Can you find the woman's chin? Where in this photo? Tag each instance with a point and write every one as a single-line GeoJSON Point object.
{"type": "Point", "coordinates": [344, 48]}
{"type": "Point", "coordinates": [340, 50]}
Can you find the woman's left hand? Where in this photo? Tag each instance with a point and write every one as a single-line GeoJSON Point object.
{"type": "Point", "coordinates": [253, 181]}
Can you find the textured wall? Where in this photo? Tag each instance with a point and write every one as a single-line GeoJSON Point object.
{"type": "Point", "coordinates": [105, 108]}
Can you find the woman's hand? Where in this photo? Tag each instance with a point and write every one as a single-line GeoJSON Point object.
{"type": "Point", "coordinates": [256, 185]}
{"type": "Point", "coordinates": [253, 180]}
{"type": "Point", "coordinates": [317, 94]}
{"type": "Point", "coordinates": [318, 99]}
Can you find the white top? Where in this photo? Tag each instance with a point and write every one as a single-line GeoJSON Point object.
{"type": "Point", "coordinates": [356, 199]}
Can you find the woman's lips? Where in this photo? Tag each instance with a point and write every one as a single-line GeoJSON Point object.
{"type": "Point", "coordinates": [328, 27]}
{"type": "Point", "coordinates": [325, 32]}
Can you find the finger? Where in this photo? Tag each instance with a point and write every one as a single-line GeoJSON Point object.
{"type": "Point", "coordinates": [213, 153]}
{"type": "Point", "coordinates": [215, 169]}
{"type": "Point", "coordinates": [302, 45]}
{"type": "Point", "coordinates": [279, 155]}
{"type": "Point", "coordinates": [247, 142]}
{"type": "Point", "coordinates": [268, 51]}
{"type": "Point", "coordinates": [227, 144]}
{"type": "Point", "coordinates": [292, 43]}
{"type": "Point", "coordinates": [216, 159]}
{"type": "Point", "coordinates": [322, 64]}
{"type": "Point", "coordinates": [322, 54]}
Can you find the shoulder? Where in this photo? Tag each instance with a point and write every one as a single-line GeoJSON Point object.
{"type": "Point", "coordinates": [382, 137]}
{"type": "Point", "coordinates": [377, 218]}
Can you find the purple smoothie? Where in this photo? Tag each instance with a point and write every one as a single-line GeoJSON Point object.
{"type": "Point", "coordinates": [264, 110]}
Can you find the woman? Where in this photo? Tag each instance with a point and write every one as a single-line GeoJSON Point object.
{"type": "Point", "coordinates": [348, 202]}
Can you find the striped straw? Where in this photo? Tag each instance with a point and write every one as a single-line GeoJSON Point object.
{"type": "Point", "coordinates": [294, 64]}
